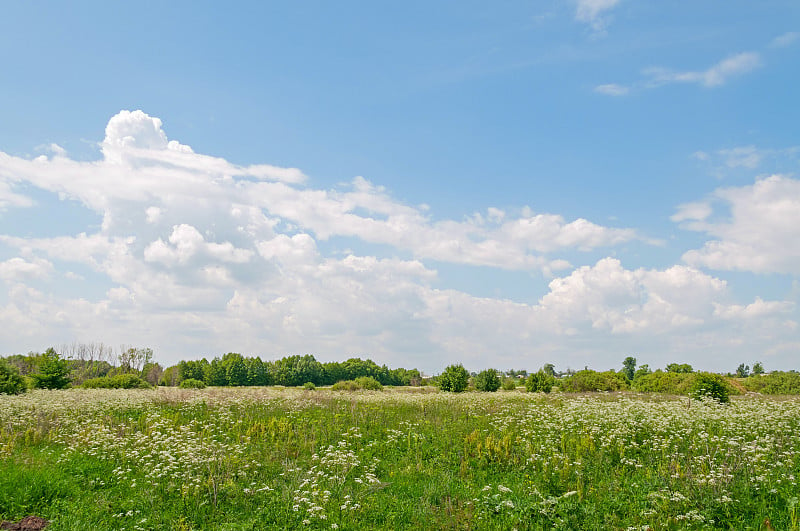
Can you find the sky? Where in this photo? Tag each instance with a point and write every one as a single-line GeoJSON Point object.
{"type": "Point", "coordinates": [501, 184]}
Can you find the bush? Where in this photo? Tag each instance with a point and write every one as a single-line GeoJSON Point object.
{"type": "Point", "coordinates": [309, 386]}
{"type": "Point", "coordinates": [118, 381]}
{"type": "Point", "coordinates": [487, 381]}
{"type": "Point", "coordinates": [710, 385]}
{"type": "Point", "coordinates": [509, 384]}
{"type": "Point", "coordinates": [455, 379]}
{"type": "Point", "coordinates": [774, 383]}
{"type": "Point", "coordinates": [369, 383]}
{"type": "Point", "coordinates": [11, 382]}
{"type": "Point", "coordinates": [345, 385]}
{"type": "Point", "coordinates": [588, 380]}
{"type": "Point", "coordinates": [672, 383]}
{"type": "Point", "coordinates": [539, 382]}
{"type": "Point", "coordinates": [193, 383]}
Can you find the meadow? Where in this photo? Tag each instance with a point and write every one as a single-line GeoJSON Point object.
{"type": "Point", "coordinates": [402, 458]}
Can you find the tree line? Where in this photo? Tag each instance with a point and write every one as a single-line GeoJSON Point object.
{"type": "Point", "coordinates": [98, 365]}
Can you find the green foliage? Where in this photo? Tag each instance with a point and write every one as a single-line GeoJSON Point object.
{"type": "Point", "coordinates": [118, 381]}
{"type": "Point", "coordinates": [369, 383]}
{"type": "Point", "coordinates": [710, 385]}
{"type": "Point", "coordinates": [742, 371]}
{"type": "Point", "coordinates": [215, 374]}
{"type": "Point", "coordinates": [345, 385]}
{"type": "Point", "coordinates": [680, 368]}
{"type": "Point", "coordinates": [192, 383]}
{"type": "Point", "coordinates": [549, 369]}
{"type": "Point", "coordinates": [758, 368]}
{"type": "Point", "coordinates": [309, 386]}
{"type": "Point", "coordinates": [235, 369]}
{"type": "Point", "coordinates": [509, 384]}
{"type": "Point", "coordinates": [629, 368]}
{"type": "Point", "coordinates": [11, 381]}
{"type": "Point", "coordinates": [671, 383]}
{"type": "Point", "coordinates": [643, 370]}
{"type": "Point", "coordinates": [774, 383]}
{"type": "Point", "coordinates": [539, 382]}
{"type": "Point", "coordinates": [53, 371]}
{"type": "Point", "coordinates": [589, 380]}
{"type": "Point", "coordinates": [487, 380]}
{"type": "Point", "coordinates": [454, 379]}
{"type": "Point", "coordinates": [396, 460]}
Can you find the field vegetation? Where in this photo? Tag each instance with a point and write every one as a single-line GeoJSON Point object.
{"type": "Point", "coordinates": [401, 458]}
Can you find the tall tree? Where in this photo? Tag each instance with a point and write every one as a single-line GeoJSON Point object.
{"type": "Point", "coordinates": [53, 371]}
{"type": "Point", "coordinates": [629, 367]}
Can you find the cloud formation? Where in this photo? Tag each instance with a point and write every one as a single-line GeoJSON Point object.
{"type": "Point", "coordinates": [196, 256]}
{"type": "Point", "coordinates": [761, 234]}
{"type": "Point", "coordinates": [595, 13]}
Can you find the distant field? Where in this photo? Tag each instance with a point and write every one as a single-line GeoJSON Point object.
{"type": "Point", "coordinates": [273, 458]}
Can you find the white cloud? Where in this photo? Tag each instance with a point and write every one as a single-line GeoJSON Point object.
{"type": "Point", "coordinates": [199, 256]}
{"type": "Point", "coordinates": [595, 13]}
{"type": "Point", "coordinates": [741, 157]}
{"type": "Point", "coordinates": [143, 171]}
{"type": "Point", "coordinates": [20, 269]}
{"type": "Point", "coordinates": [692, 212]}
{"type": "Point", "coordinates": [714, 76]}
{"type": "Point", "coordinates": [762, 234]}
{"type": "Point", "coordinates": [787, 39]}
{"type": "Point", "coordinates": [612, 89]}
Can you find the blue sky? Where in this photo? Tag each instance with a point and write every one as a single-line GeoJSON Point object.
{"type": "Point", "coordinates": [504, 185]}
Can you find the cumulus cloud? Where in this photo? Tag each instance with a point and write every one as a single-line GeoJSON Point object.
{"type": "Point", "coordinates": [762, 232]}
{"type": "Point", "coordinates": [197, 256]}
{"type": "Point", "coordinates": [145, 172]}
{"type": "Point", "coordinates": [19, 269]}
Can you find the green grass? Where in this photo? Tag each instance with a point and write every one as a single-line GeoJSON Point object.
{"type": "Point", "coordinates": [274, 458]}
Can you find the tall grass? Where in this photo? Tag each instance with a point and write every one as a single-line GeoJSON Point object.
{"type": "Point", "coordinates": [269, 458]}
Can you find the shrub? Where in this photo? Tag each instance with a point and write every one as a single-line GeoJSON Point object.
{"type": "Point", "coordinates": [345, 385]}
{"type": "Point", "coordinates": [539, 382]}
{"type": "Point", "coordinates": [369, 383]}
{"type": "Point", "coordinates": [710, 385]}
{"type": "Point", "coordinates": [455, 379]}
{"type": "Point", "coordinates": [774, 383]}
{"type": "Point", "coordinates": [11, 382]}
{"type": "Point", "coordinates": [673, 383]}
{"type": "Point", "coordinates": [509, 384]}
{"type": "Point", "coordinates": [309, 386]}
{"type": "Point", "coordinates": [118, 381]}
{"type": "Point", "coordinates": [193, 383]}
{"type": "Point", "coordinates": [487, 381]}
{"type": "Point", "coordinates": [588, 380]}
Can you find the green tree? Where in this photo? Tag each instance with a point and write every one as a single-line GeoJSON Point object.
{"type": "Point", "coordinates": [11, 382]}
{"type": "Point", "coordinates": [549, 369]}
{"type": "Point", "coordinates": [235, 369]}
{"type": "Point", "coordinates": [487, 380]}
{"type": "Point", "coordinates": [539, 382]}
{"type": "Point", "coordinates": [629, 368]}
{"type": "Point", "coordinates": [742, 371]}
{"type": "Point", "coordinates": [758, 369]}
{"type": "Point", "coordinates": [680, 368]}
{"type": "Point", "coordinates": [710, 385]}
{"type": "Point", "coordinates": [53, 371]}
{"type": "Point", "coordinates": [455, 379]}
{"type": "Point", "coordinates": [643, 370]}
{"type": "Point", "coordinates": [214, 373]}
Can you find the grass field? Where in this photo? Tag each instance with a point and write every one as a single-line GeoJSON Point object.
{"type": "Point", "coordinates": [273, 458]}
